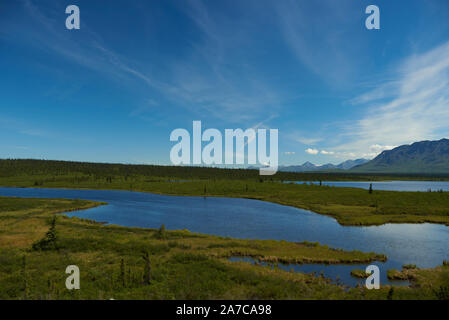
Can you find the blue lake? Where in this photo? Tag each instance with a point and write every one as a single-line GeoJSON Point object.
{"type": "Point", "coordinates": [423, 186]}
{"type": "Point", "coordinates": [425, 245]}
{"type": "Point", "coordinates": [336, 272]}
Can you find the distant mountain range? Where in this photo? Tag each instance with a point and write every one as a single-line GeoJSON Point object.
{"type": "Point", "coordinates": [419, 157]}
{"type": "Point", "coordinates": [424, 157]}
{"type": "Point", "coordinates": [308, 166]}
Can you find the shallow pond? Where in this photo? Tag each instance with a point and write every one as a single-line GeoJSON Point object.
{"type": "Point", "coordinates": [395, 185]}
{"type": "Point", "coordinates": [425, 245]}
{"type": "Point", "coordinates": [338, 273]}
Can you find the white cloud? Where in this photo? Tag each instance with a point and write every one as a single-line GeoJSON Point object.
{"type": "Point", "coordinates": [312, 151]}
{"type": "Point", "coordinates": [377, 148]}
{"type": "Point", "coordinates": [327, 152]}
{"type": "Point", "coordinates": [413, 106]}
{"type": "Point", "coordinates": [289, 153]}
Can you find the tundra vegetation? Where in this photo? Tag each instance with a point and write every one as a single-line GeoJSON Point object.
{"type": "Point", "coordinates": [350, 206]}
{"type": "Point", "coordinates": [36, 246]}
{"type": "Point", "coordinates": [358, 273]}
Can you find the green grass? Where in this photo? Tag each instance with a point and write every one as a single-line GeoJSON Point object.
{"type": "Point", "coordinates": [358, 273]}
{"type": "Point", "coordinates": [85, 170]}
{"type": "Point", "coordinates": [350, 206]}
{"type": "Point", "coordinates": [394, 274]}
{"type": "Point", "coordinates": [184, 265]}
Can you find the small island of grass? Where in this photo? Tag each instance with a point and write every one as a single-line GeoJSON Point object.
{"type": "Point", "coordinates": [358, 273]}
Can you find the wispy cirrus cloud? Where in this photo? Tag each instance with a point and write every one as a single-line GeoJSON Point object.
{"type": "Point", "coordinates": [207, 80]}
{"type": "Point", "coordinates": [22, 127]}
{"type": "Point", "coordinates": [310, 141]}
{"type": "Point", "coordinates": [210, 78]}
{"type": "Point", "coordinates": [303, 137]}
{"type": "Point", "coordinates": [319, 44]}
{"type": "Point", "coordinates": [412, 106]}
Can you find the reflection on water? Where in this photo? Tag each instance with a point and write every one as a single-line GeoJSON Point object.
{"type": "Point", "coordinates": [422, 244]}
{"type": "Point", "coordinates": [338, 273]}
{"type": "Point", "coordinates": [396, 185]}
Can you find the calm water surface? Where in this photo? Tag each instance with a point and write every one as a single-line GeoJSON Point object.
{"type": "Point", "coordinates": [387, 185]}
{"type": "Point", "coordinates": [425, 245]}
{"type": "Point", "coordinates": [336, 272]}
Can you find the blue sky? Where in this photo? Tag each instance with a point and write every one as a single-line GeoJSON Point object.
{"type": "Point", "coordinates": [136, 70]}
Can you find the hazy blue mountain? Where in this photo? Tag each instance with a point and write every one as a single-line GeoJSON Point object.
{"type": "Point", "coordinates": [308, 166]}
{"type": "Point", "coordinates": [348, 164]}
{"type": "Point", "coordinates": [419, 157]}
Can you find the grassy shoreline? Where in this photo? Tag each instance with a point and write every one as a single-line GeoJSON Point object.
{"type": "Point", "coordinates": [349, 206]}
{"type": "Point", "coordinates": [178, 257]}
{"type": "Point", "coordinates": [184, 265]}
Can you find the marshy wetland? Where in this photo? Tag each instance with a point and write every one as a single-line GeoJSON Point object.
{"type": "Point", "coordinates": [296, 230]}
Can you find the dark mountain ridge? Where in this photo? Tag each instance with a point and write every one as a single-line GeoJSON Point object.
{"type": "Point", "coordinates": [419, 157]}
